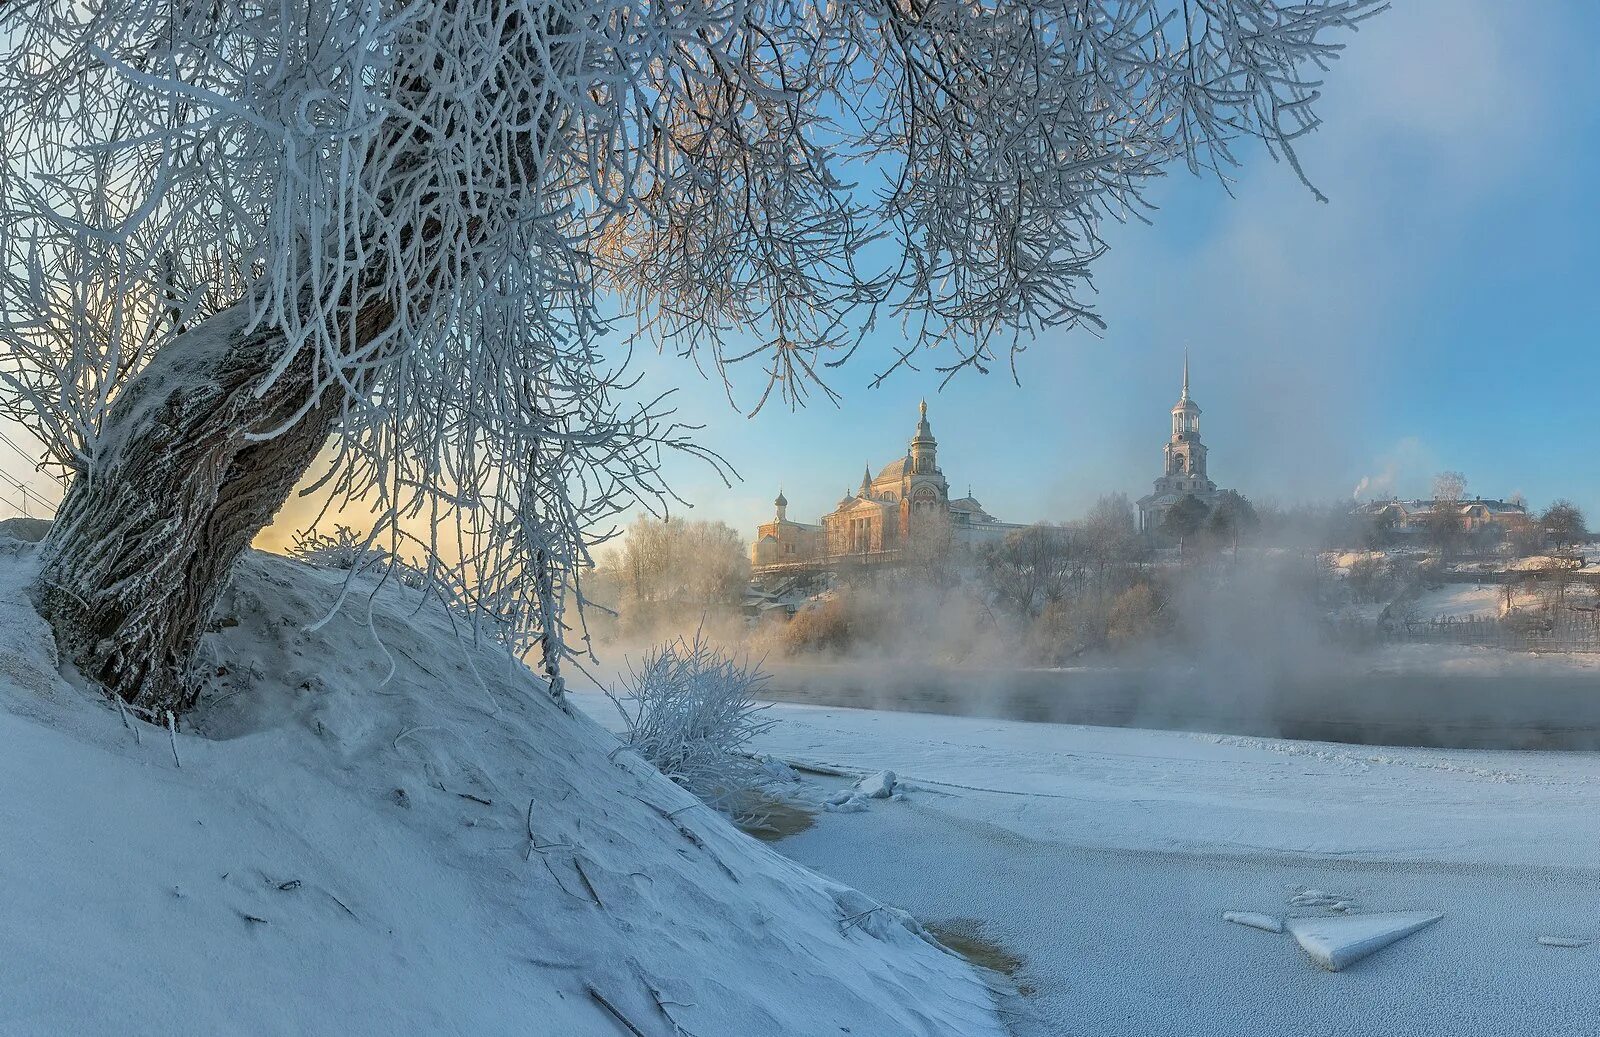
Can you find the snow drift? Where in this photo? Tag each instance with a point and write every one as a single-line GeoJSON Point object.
{"type": "Point", "coordinates": [332, 848]}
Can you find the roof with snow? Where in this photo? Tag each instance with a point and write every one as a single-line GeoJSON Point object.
{"type": "Point", "coordinates": [1430, 505]}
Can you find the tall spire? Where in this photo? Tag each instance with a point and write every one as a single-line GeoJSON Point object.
{"type": "Point", "coordinates": [920, 456]}
{"type": "Point", "coordinates": [1185, 373]}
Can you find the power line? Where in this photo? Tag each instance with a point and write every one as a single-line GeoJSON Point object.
{"type": "Point", "coordinates": [31, 459]}
{"type": "Point", "coordinates": [19, 500]}
{"type": "Point", "coordinates": [24, 491]}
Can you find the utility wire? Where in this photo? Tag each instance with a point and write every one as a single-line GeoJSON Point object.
{"type": "Point", "coordinates": [31, 459]}
{"type": "Point", "coordinates": [24, 491]}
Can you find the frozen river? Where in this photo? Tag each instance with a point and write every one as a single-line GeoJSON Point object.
{"type": "Point", "coordinates": [1105, 857]}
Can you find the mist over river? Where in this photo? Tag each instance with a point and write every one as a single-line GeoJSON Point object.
{"type": "Point", "coordinates": [1481, 702]}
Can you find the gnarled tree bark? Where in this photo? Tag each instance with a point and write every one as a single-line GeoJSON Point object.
{"type": "Point", "coordinates": [144, 542]}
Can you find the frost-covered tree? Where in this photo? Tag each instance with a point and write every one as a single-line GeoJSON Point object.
{"type": "Point", "coordinates": [1564, 524]}
{"type": "Point", "coordinates": [1448, 487]}
{"type": "Point", "coordinates": [1111, 534]}
{"type": "Point", "coordinates": [682, 563]}
{"type": "Point", "coordinates": [385, 237]}
{"type": "Point", "coordinates": [1032, 567]}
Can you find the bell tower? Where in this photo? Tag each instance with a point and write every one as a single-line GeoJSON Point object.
{"type": "Point", "coordinates": [1186, 454]}
{"type": "Point", "coordinates": [1184, 474]}
{"type": "Point", "coordinates": [924, 492]}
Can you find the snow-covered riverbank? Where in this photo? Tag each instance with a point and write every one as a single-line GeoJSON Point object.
{"type": "Point", "coordinates": [351, 837]}
{"type": "Point", "coordinates": [1105, 858]}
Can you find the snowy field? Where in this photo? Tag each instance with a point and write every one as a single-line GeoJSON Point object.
{"type": "Point", "coordinates": [1105, 859]}
{"type": "Point", "coordinates": [1461, 601]}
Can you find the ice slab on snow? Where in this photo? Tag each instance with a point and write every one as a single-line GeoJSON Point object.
{"type": "Point", "coordinates": [1266, 923]}
{"type": "Point", "coordinates": [1337, 943]}
{"type": "Point", "coordinates": [877, 786]}
{"type": "Point", "coordinates": [1563, 941]}
{"type": "Point", "coordinates": [776, 768]}
{"type": "Point", "coordinates": [882, 785]}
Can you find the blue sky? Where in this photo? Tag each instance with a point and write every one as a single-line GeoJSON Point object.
{"type": "Point", "coordinates": [1439, 312]}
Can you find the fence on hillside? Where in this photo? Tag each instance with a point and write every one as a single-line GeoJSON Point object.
{"type": "Point", "coordinates": [1563, 629]}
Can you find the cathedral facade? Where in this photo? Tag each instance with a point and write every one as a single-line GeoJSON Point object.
{"type": "Point", "coordinates": [905, 505]}
{"type": "Point", "coordinates": [1184, 472]}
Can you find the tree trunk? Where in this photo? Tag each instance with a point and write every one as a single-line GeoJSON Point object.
{"type": "Point", "coordinates": [144, 542]}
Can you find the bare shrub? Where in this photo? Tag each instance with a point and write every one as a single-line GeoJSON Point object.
{"type": "Point", "coordinates": [1371, 579]}
{"type": "Point", "coordinates": [835, 626]}
{"type": "Point", "coordinates": [1134, 616]}
{"type": "Point", "coordinates": [1525, 542]}
{"type": "Point", "coordinates": [690, 709]}
{"type": "Point", "coordinates": [896, 617]}
{"type": "Point", "coordinates": [348, 551]}
{"type": "Point", "coordinates": [1065, 630]}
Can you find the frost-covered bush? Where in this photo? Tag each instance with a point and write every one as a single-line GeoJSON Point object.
{"type": "Point", "coordinates": [346, 550]}
{"type": "Point", "coordinates": [690, 709]}
{"type": "Point", "coordinates": [341, 549]}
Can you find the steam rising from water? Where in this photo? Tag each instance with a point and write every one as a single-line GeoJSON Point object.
{"type": "Point", "coordinates": [1245, 648]}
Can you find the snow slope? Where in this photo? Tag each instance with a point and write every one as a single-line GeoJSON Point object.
{"type": "Point", "coordinates": [1461, 601]}
{"type": "Point", "coordinates": [1106, 858]}
{"type": "Point", "coordinates": [330, 852]}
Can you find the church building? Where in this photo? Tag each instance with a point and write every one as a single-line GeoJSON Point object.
{"type": "Point", "coordinates": [906, 502]}
{"type": "Point", "coordinates": [1185, 470]}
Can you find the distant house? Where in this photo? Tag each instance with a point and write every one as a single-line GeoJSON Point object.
{"type": "Point", "coordinates": [1470, 514]}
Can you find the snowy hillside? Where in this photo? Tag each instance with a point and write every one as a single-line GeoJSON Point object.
{"type": "Point", "coordinates": [446, 851]}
